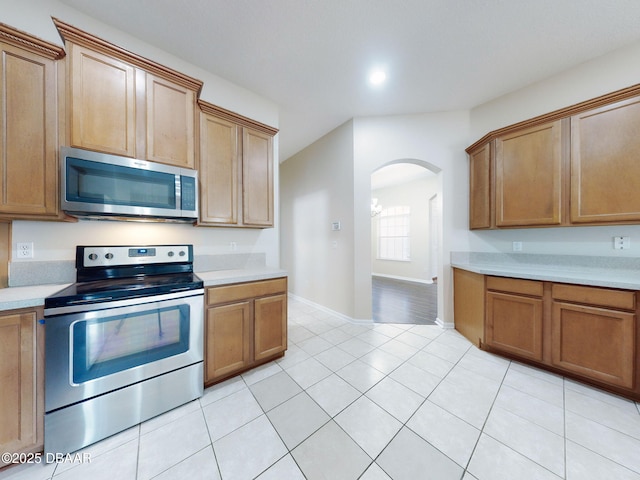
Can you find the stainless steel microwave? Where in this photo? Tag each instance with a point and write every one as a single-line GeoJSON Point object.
{"type": "Point", "coordinates": [102, 186]}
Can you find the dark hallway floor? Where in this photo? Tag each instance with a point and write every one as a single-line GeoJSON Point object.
{"type": "Point", "coordinates": [398, 301]}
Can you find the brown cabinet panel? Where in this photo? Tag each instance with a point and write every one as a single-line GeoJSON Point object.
{"type": "Point", "coordinates": [594, 342]}
{"type": "Point", "coordinates": [236, 165]}
{"type": "Point", "coordinates": [257, 178]}
{"type": "Point", "coordinates": [529, 168]}
{"type": "Point", "coordinates": [170, 123]}
{"type": "Point", "coordinates": [21, 416]}
{"type": "Point", "coordinates": [604, 164]}
{"type": "Point", "coordinates": [228, 343]}
{"type": "Point", "coordinates": [28, 134]}
{"type": "Point", "coordinates": [218, 170]}
{"type": "Point", "coordinates": [246, 325]}
{"type": "Point", "coordinates": [469, 304]}
{"type": "Point", "coordinates": [480, 185]}
{"type": "Point", "coordinates": [605, 297]}
{"type": "Point", "coordinates": [514, 324]}
{"type": "Point", "coordinates": [102, 102]}
{"type": "Point", "coordinates": [241, 291]}
{"type": "Point", "coordinates": [533, 288]}
{"type": "Point", "coordinates": [270, 331]}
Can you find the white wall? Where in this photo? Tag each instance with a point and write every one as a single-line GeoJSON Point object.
{"type": "Point", "coordinates": [415, 194]}
{"type": "Point", "coordinates": [56, 241]}
{"type": "Point", "coordinates": [317, 190]}
{"type": "Point", "coordinates": [614, 71]}
{"type": "Point", "coordinates": [437, 139]}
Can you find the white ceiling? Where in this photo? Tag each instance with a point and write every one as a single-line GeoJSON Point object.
{"type": "Point", "coordinates": [312, 57]}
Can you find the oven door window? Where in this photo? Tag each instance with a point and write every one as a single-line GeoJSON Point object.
{"type": "Point", "coordinates": [107, 345]}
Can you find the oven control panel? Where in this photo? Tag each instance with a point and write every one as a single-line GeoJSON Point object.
{"type": "Point", "coordinates": [111, 256]}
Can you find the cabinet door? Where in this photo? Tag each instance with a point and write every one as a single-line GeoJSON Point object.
{"type": "Point", "coordinates": [102, 101]}
{"type": "Point", "coordinates": [514, 324]}
{"type": "Point", "coordinates": [218, 171]}
{"type": "Point", "coordinates": [270, 335]}
{"type": "Point", "coordinates": [18, 415]}
{"type": "Point", "coordinates": [529, 176]}
{"type": "Point", "coordinates": [480, 193]}
{"type": "Point", "coordinates": [594, 342]}
{"type": "Point", "coordinates": [170, 123]}
{"type": "Point", "coordinates": [28, 134]}
{"type": "Point", "coordinates": [228, 339]}
{"type": "Point", "coordinates": [604, 164]}
{"type": "Point", "coordinates": [257, 178]}
{"type": "Point", "coordinates": [468, 304]}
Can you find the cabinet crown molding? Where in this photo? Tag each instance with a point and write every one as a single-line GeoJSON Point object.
{"type": "Point", "coordinates": [600, 101]}
{"type": "Point", "coordinates": [31, 43]}
{"type": "Point", "coordinates": [220, 112]}
{"type": "Point", "coordinates": [74, 35]}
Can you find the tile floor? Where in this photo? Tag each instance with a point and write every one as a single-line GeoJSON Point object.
{"type": "Point", "coordinates": [376, 402]}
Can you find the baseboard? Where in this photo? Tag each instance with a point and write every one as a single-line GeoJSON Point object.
{"type": "Point", "coordinates": [446, 325]}
{"type": "Point", "coordinates": [404, 279]}
{"type": "Point", "coordinates": [329, 311]}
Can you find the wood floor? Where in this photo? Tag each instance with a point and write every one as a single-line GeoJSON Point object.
{"type": "Point", "coordinates": [398, 301]}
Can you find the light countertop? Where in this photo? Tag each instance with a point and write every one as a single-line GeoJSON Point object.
{"type": "Point", "coordinates": [598, 272]}
{"type": "Point", "coordinates": [24, 297]}
{"type": "Point", "coordinates": [33, 296]}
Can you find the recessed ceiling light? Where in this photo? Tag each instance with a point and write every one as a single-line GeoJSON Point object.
{"type": "Point", "coordinates": [377, 77]}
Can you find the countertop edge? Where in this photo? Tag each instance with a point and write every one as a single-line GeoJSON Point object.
{"type": "Point", "coordinates": [13, 298]}
{"type": "Point", "coordinates": [622, 279]}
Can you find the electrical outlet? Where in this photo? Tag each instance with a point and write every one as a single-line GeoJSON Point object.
{"type": "Point", "coordinates": [233, 246]}
{"type": "Point", "coordinates": [621, 243]}
{"type": "Point", "coordinates": [517, 246]}
{"type": "Point", "coordinates": [24, 250]}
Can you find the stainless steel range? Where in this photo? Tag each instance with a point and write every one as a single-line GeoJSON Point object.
{"type": "Point", "coordinates": [123, 344]}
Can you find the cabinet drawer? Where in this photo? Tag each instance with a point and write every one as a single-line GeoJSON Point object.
{"type": "Point", "coordinates": [620, 299]}
{"type": "Point", "coordinates": [512, 285]}
{"type": "Point", "coordinates": [241, 291]}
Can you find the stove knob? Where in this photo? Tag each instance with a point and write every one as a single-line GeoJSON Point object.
{"type": "Point", "coordinates": [93, 256]}
{"type": "Point", "coordinates": [109, 256]}
{"type": "Point", "coordinates": [182, 254]}
{"type": "Point", "coordinates": [171, 254]}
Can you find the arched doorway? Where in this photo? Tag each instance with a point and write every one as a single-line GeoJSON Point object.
{"type": "Point", "coordinates": [405, 241]}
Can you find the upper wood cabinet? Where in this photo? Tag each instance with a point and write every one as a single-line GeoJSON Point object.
{"type": "Point", "coordinates": [604, 164]}
{"type": "Point", "coordinates": [28, 126]}
{"type": "Point", "coordinates": [102, 102]}
{"type": "Point", "coordinates": [481, 185]}
{"type": "Point", "coordinates": [575, 166]}
{"type": "Point", "coordinates": [124, 104]}
{"type": "Point", "coordinates": [529, 167]}
{"type": "Point", "coordinates": [235, 170]}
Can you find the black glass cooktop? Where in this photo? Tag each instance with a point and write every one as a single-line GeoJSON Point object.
{"type": "Point", "coordinates": [122, 288]}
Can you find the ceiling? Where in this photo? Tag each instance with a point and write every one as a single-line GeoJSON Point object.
{"type": "Point", "coordinates": [312, 57]}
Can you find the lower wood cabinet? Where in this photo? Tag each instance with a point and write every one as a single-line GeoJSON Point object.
{"type": "Point", "coordinates": [246, 325]}
{"type": "Point", "coordinates": [588, 333]}
{"type": "Point", "coordinates": [514, 316]}
{"type": "Point", "coordinates": [22, 380]}
{"type": "Point", "coordinates": [597, 341]}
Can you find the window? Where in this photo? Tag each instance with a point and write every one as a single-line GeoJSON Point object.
{"type": "Point", "coordinates": [393, 234]}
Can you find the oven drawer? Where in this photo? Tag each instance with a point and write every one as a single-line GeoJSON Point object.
{"type": "Point", "coordinates": [242, 291]}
